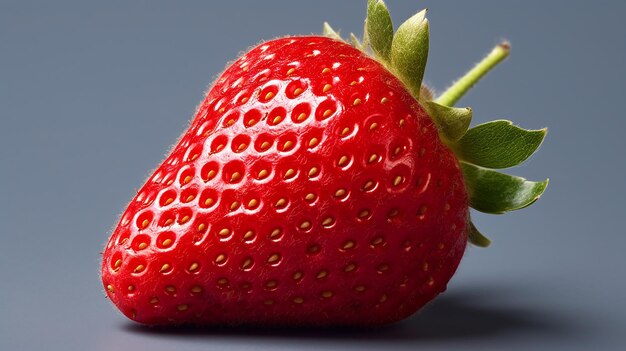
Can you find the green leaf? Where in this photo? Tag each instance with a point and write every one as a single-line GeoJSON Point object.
{"type": "Point", "coordinates": [498, 144]}
{"type": "Point", "coordinates": [476, 237]}
{"type": "Point", "coordinates": [379, 28]}
{"type": "Point", "coordinates": [409, 51]}
{"type": "Point", "coordinates": [355, 42]}
{"type": "Point", "coordinates": [493, 192]}
{"type": "Point", "coordinates": [328, 31]}
{"type": "Point", "coordinates": [452, 122]}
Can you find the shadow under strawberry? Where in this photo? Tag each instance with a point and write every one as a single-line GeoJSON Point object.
{"type": "Point", "coordinates": [458, 315]}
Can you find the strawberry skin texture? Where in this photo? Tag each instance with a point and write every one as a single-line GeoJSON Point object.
{"type": "Point", "coordinates": [309, 189]}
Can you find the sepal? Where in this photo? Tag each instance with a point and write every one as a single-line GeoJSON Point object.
{"type": "Point", "coordinates": [452, 122]}
{"type": "Point", "coordinates": [498, 144]}
{"type": "Point", "coordinates": [493, 192]}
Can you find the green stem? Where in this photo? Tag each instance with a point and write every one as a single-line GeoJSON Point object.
{"type": "Point", "coordinates": [461, 86]}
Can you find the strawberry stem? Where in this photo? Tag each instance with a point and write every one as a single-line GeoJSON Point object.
{"type": "Point", "coordinates": [465, 83]}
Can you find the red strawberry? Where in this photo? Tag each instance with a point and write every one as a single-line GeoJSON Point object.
{"type": "Point", "coordinates": [312, 188]}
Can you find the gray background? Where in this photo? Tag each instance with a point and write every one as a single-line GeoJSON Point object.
{"type": "Point", "coordinates": [93, 94]}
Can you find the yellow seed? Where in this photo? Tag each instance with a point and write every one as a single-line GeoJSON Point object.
{"type": "Point", "coordinates": [111, 289]}
{"type": "Point", "coordinates": [310, 197]}
{"type": "Point", "coordinates": [348, 245]}
{"type": "Point", "coordinates": [139, 268]}
{"type": "Point", "coordinates": [327, 113]}
{"type": "Point", "coordinates": [230, 122]}
{"type": "Point", "coordinates": [359, 288]}
{"type": "Point", "coordinates": [263, 173]}
{"type": "Point", "coordinates": [145, 223]}
{"type": "Point", "coordinates": [221, 110]}
{"type": "Point", "coordinates": [201, 227]}
{"type": "Point", "coordinates": [322, 274]}
{"type": "Point", "coordinates": [384, 100]}
{"type": "Point", "coordinates": [184, 220]}
{"type": "Point", "coordinates": [327, 221]}
{"type": "Point", "coordinates": [377, 241]}
{"type": "Point", "coordinates": [290, 172]}
{"type": "Point", "coordinates": [269, 95]}
{"type": "Point", "coordinates": [235, 177]}
{"type": "Point", "coordinates": [275, 233]}
{"type": "Point", "coordinates": [373, 126]}
{"type": "Point", "coordinates": [350, 267]}
{"type": "Point", "coordinates": [131, 288]}
{"type": "Point", "coordinates": [194, 266]}
{"type": "Point", "coordinates": [291, 70]}
{"type": "Point", "coordinates": [169, 182]}
{"type": "Point", "coordinates": [313, 142]}
{"type": "Point", "coordinates": [154, 300]}
{"type": "Point", "coordinates": [253, 203]}
{"type": "Point", "coordinates": [397, 151]}
{"type": "Point", "coordinates": [326, 70]}
{"type": "Point", "coordinates": [183, 307]}
{"type": "Point", "coordinates": [248, 235]}
{"type": "Point", "coordinates": [342, 161]}
{"type": "Point", "coordinates": [118, 263]}
{"type": "Point", "coordinates": [247, 263]}
{"type": "Point", "coordinates": [288, 144]}
{"type": "Point", "coordinates": [271, 284]}
{"type": "Point", "coordinates": [265, 145]}
{"type": "Point", "coordinates": [397, 180]}
{"type": "Point", "coordinates": [356, 102]}
{"type": "Point", "coordinates": [224, 232]}
{"type": "Point", "coordinates": [373, 157]}
{"type": "Point", "coordinates": [251, 122]}
{"type": "Point", "coordinates": [277, 119]}
{"type": "Point", "coordinates": [345, 131]}
{"type": "Point", "coordinates": [364, 213]}
{"type": "Point", "coordinates": [164, 267]}
{"type": "Point", "coordinates": [301, 117]}
{"type": "Point", "coordinates": [354, 82]}
{"type": "Point", "coordinates": [401, 123]}
{"type": "Point", "coordinates": [305, 225]}
{"type": "Point", "coordinates": [327, 294]}
{"type": "Point", "coordinates": [340, 192]}
{"type": "Point", "coordinates": [326, 88]}
{"type": "Point", "coordinates": [298, 300]}
{"type": "Point", "coordinates": [187, 179]}
{"type": "Point", "coordinates": [222, 281]}
{"type": "Point", "coordinates": [208, 202]}
{"type": "Point", "coordinates": [220, 258]}
{"type": "Point", "coordinates": [244, 100]}
{"type": "Point", "coordinates": [169, 201]}
{"type": "Point", "coordinates": [297, 275]}
{"type": "Point", "coordinates": [281, 202]}
{"type": "Point", "coordinates": [170, 289]}
{"type": "Point", "coordinates": [168, 222]}
{"type": "Point", "coordinates": [196, 289]}
{"type": "Point", "coordinates": [142, 246]}
{"type": "Point", "coordinates": [234, 205]}
{"type": "Point", "coordinates": [195, 156]}
{"type": "Point", "coordinates": [167, 242]}
{"type": "Point", "coordinates": [313, 171]}
{"type": "Point", "coordinates": [242, 147]}
{"type": "Point", "coordinates": [273, 258]}
{"type": "Point", "coordinates": [368, 185]}
{"type": "Point", "coordinates": [298, 91]}
{"type": "Point", "coordinates": [211, 174]}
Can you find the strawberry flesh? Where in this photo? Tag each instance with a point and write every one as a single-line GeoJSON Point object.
{"type": "Point", "coordinates": [311, 188]}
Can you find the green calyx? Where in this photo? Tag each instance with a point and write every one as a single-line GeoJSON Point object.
{"type": "Point", "coordinates": [481, 149]}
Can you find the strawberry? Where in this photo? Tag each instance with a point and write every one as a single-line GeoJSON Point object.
{"type": "Point", "coordinates": [318, 184]}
